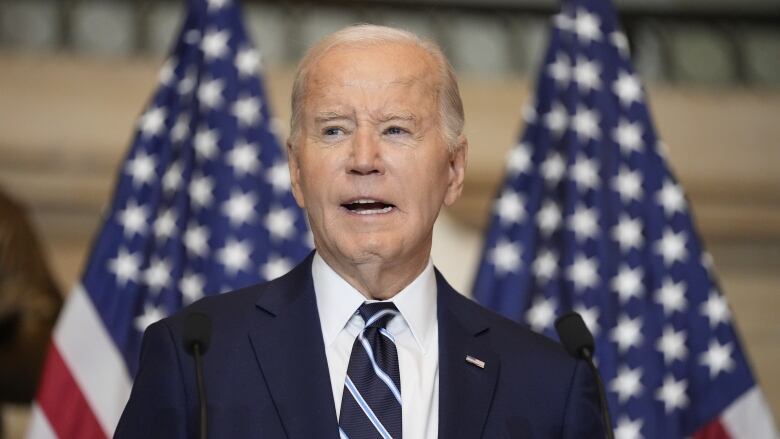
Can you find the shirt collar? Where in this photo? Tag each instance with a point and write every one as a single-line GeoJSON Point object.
{"type": "Point", "coordinates": [417, 304]}
{"type": "Point", "coordinates": [337, 302]}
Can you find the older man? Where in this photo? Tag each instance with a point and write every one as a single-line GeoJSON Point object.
{"type": "Point", "coordinates": [365, 339]}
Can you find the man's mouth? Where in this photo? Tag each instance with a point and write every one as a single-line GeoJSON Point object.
{"type": "Point", "coordinates": [368, 206]}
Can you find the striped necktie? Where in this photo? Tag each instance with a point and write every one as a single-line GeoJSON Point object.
{"type": "Point", "coordinates": [371, 402]}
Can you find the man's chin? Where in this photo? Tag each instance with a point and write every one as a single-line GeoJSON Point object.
{"type": "Point", "coordinates": [362, 249]}
{"type": "Point", "coordinates": [389, 244]}
{"type": "Point", "coordinates": [367, 252]}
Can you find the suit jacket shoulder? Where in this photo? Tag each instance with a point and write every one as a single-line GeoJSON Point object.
{"type": "Point", "coordinates": [510, 336]}
{"type": "Point", "coordinates": [233, 309]}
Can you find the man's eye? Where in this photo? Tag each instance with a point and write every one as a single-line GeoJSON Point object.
{"type": "Point", "coordinates": [332, 131]}
{"type": "Point", "coordinates": [395, 131]}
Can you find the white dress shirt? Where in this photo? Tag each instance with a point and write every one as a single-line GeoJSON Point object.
{"type": "Point", "coordinates": [416, 333]}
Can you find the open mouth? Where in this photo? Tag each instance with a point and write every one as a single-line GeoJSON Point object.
{"type": "Point", "coordinates": [367, 206]}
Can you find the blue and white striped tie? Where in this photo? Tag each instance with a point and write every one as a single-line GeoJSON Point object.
{"type": "Point", "coordinates": [371, 403]}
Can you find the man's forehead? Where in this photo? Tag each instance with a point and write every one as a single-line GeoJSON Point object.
{"type": "Point", "coordinates": [370, 82]}
{"type": "Point", "coordinates": [383, 64]}
{"type": "Point", "coordinates": [382, 81]}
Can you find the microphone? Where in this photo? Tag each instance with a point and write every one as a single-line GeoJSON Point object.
{"type": "Point", "coordinates": [578, 342]}
{"type": "Point", "coordinates": [197, 336]}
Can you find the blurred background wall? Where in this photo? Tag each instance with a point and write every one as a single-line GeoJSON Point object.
{"type": "Point", "coordinates": [74, 75]}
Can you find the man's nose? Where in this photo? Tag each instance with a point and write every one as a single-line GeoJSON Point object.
{"type": "Point", "coordinates": [366, 154]}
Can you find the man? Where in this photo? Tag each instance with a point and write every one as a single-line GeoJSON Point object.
{"type": "Point", "coordinates": [364, 338]}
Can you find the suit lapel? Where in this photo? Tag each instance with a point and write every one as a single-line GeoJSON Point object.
{"type": "Point", "coordinates": [288, 345]}
{"type": "Point", "coordinates": [465, 389]}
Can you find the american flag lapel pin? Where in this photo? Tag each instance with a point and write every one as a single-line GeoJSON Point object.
{"type": "Point", "coordinates": [475, 361]}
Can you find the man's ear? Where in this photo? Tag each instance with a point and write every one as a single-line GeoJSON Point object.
{"type": "Point", "coordinates": [295, 173]}
{"type": "Point", "coordinates": [457, 170]}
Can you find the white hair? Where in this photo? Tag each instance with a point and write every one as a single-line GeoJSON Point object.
{"type": "Point", "coordinates": [450, 104]}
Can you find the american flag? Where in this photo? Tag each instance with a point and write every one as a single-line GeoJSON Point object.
{"type": "Point", "coordinates": [590, 218]}
{"type": "Point", "coordinates": [202, 206]}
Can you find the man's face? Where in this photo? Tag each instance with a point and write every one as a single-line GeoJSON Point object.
{"type": "Point", "coordinates": [370, 165]}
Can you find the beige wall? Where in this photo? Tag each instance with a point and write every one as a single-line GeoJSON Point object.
{"type": "Point", "coordinates": [65, 124]}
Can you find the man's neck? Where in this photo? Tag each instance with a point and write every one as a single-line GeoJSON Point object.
{"type": "Point", "coordinates": [378, 279]}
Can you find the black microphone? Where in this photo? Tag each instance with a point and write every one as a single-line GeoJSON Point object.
{"type": "Point", "coordinates": [578, 341]}
{"type": "Point", "coordinates": [197, 335]}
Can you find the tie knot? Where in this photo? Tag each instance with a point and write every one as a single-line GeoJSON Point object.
{"type": "Point", "coordinates": [377, 314]}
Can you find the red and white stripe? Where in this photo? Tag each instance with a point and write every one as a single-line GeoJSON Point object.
{"type": "Point", "coordinates": [748, 417]}
{"type": "Point", "coordinates": [85, 384]}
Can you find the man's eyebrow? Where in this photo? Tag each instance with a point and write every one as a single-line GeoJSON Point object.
{"type": "Point", "coordinates": [397, 116]}
{"type": "Point", "coordinates": [328, 116]}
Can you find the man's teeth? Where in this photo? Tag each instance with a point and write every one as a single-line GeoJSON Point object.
{"type": "Point", "coordinates": [373, 211]}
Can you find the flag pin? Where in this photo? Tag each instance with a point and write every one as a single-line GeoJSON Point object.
{"type": "Point", "coordinates": [475, 361]}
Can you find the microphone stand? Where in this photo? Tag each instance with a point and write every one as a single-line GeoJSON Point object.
{"type": "Point", "coordinates": [203, 415]}
{"type": "Point", "coordinates": [197, 336]}
{"type": "Point", "coordinates": [587, 355]}
{"type": "Point", "coordinates": [579, 343]}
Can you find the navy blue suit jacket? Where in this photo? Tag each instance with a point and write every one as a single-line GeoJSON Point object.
{"type": "Point", "coordinates": [267, 376]}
